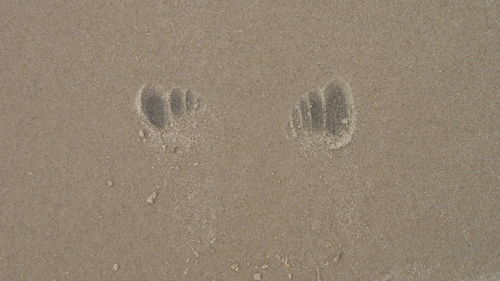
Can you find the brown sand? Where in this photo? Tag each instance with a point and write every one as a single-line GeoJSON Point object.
{"type": "Point", "coordinates": [413, 196]}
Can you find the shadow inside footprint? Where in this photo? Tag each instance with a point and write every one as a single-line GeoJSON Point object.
{"type": "Point", "coordinates": [182, 103]}
{"type": "Point", "coordinates": [153, 106]}
{"type": "Point", "coordinates": [317, 113]}
{"type": "Point", "coordinates": [337, 109]}
{"type": "Point", "coordinates": [177, 102]}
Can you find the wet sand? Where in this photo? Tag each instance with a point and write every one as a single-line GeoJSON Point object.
{"type": "Point", "coordinates": [89, 190]}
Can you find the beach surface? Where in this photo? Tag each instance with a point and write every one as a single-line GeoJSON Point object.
{"type": "Point", "coordinates": [155, 140]}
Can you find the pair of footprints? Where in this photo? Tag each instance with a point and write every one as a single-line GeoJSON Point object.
{"type": "Point", "coordinates": [326, 115]}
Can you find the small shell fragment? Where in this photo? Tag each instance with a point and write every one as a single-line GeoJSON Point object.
{"type": "Point", "coordinates": [152, 197]}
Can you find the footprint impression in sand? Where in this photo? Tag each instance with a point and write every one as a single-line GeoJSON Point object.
{"type": "Point", "coordinates": [174, 122]}
{"type": "Point", "coordinates": [160, 109]}
{"type": "Point", "coordinates": [170, 116]}
{"type": "Point", "coordinates": [324, 117]}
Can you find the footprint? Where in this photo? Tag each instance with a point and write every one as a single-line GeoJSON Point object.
{"type": "Point", "coordinates": [178, 127]}
{"type": "Point", "coordinates": [160, 109]}
{"type": "Point", "coordinates": [170, 116]}
{"type": "Point", "coordinates": [326, 116]}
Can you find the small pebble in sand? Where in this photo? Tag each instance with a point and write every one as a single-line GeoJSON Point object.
{"type": "Point", "coordinates": [235, 267]}
{"type": "Point", "coordinates": [152, 197]}
{"type": "Point", "coordinates": [264, 266]}
{"type": "Point", "coordinates": [116, 267]}
{"type": "Point", "coordinates": [109, 183]}
{"type": "Point", "coordinates": [257, 277]}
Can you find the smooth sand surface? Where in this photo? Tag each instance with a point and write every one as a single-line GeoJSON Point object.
{"type": "Point", "coordinates": [89, 191]}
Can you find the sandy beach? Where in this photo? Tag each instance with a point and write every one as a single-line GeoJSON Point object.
{"type": "Point", "coordinates": [249, 140]}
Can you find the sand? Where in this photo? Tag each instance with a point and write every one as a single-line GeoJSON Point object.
{"type": "Point", "coordinates": [90, 191]}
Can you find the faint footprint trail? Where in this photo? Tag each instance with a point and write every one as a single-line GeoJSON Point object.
{"type": "Point", "coordinates": [324, 117]}
{"type": "Point", "coordinates": [170, 116]}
